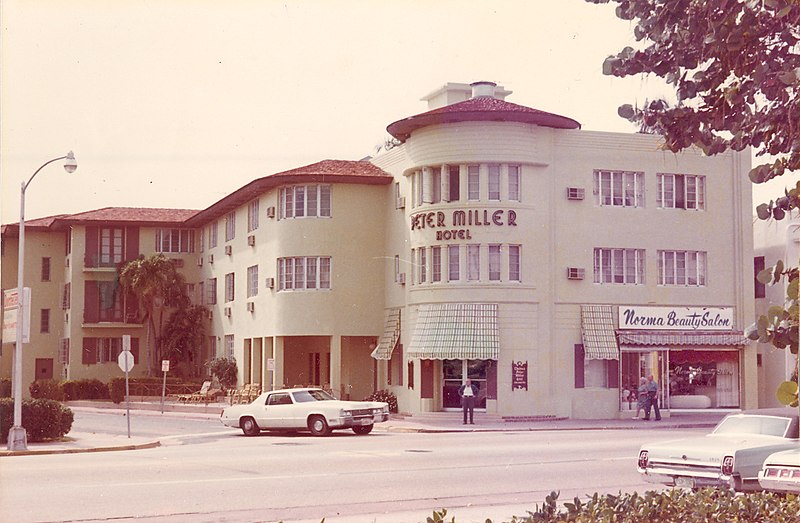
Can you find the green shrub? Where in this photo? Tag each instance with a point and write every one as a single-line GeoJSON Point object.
{"type": "Point", "coordinates": [5, 387]}
{"type": "Point", "coordinates": [116, 390]}
{"type": "Point", "coordinates": [86, 389]}
{"type": "Point", "coordinates": [225, 371]}
{"type": "Point", "coordinates": [48, 389]}
{"type": "Point", "coordinates": [43, 419]}
{"type": "Point", "coordinates": [384, 396]}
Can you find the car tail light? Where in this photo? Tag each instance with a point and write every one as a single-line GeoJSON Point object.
{"type": "Point", "coordinates": [727, 466]}
{"type": "Point", "coordinates": [643, 458]}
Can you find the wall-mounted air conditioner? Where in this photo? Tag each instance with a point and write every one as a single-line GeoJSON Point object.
{"type": "Point", "coordinates": [575, 193]}
{"type": "Point", "coordinates": [270, 212]}
{"type": "Point", "coordinates": [211, 259]}
{"type": "Point", "coordinates": [400, 203]}
{"type": "Point", "coordinates": [270, 283]}
{"type": "Point", "coordinates": [227, 311]}
{"type": "Point", "coordinates": [575, 273]}
{"type": "Point", "coordinates": [228, 250]}
{"type": "Point", "coordinates": [401, 278]}
{"type": "Point", "coordinates": [200, 261]}
{"type": "Point", "coordinates": [251, 306]}
{"type": "Point", "coordinates": [251, 240]}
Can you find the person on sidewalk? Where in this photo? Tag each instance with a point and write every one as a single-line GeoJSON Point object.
{"type": "Point", "coordinates": [641, 397]}
{"type": "Point", "coordinates": [652, 399]}
{"type": "Point", "coordinates": [467, 392]}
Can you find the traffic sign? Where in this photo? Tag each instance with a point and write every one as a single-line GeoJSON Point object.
{"type": "Point", "coordinates": [125, 361]}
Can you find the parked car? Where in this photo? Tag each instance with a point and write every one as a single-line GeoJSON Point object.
{"type": "Point", "coordinates": [303, 409]}
{"type": "Point", "coordinates": [729, 457]}
{"type": "Point", "coordinates": [781, 471]}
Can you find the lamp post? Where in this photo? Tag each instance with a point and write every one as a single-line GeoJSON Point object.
{"type": "Point", "coordinates": [17, 437]}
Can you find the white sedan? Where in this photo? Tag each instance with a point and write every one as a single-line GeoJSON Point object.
{"type": "Point", "coordinates": [730, 457]}
{"type": "Point", "coordinates": [781, 471]}
{"type": "Point", "coordinates": [304, 409]}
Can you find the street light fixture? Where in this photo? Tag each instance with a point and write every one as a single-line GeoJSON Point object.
{"type": "Point", "coordinates": [17, 437]}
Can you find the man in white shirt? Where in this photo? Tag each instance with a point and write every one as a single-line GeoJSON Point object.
{"type": "Point", "coordinates": [468, 391]}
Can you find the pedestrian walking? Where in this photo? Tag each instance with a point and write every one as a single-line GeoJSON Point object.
{"type": "Point", "coordinates": [652, 399]}
{"type": "Point", "coordinates": [468, 392]}
{"type": "Point", "coordinates": [641, 397]}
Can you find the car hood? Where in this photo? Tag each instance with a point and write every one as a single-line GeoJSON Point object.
{"type": "Point", "coordinates": [710, 447]}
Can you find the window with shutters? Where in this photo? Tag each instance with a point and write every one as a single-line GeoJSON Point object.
{"type": "Point", "coordinates": [45, 269]}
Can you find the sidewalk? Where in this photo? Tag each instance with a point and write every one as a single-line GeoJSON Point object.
{"type": "Point", "coordinates": [432, 422]}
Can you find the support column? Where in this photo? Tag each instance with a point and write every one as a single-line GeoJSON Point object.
{"type": "Point", "coordinates": [336, 363]}
{"type": "Point", "coordinates": [277, 376]}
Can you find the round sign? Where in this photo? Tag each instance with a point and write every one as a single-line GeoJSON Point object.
{"type": "Point", "coordinates": [125, 361]}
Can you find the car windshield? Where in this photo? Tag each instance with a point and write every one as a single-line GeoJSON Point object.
{"type": "Point", "coordinates": [304, 396]}
{"type": "Point", "coordinates": [762, 425]}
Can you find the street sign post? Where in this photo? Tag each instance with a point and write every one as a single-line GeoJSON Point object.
{"type": "Point", "coordinates": [125, 361]}
{"type": "Point", "coordinates": [165, 370]}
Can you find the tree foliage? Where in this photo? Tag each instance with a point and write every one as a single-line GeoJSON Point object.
{"type": "Point", "coordinates": [182, 338]}
{"type": "Point", "coordinates": [735, 68]}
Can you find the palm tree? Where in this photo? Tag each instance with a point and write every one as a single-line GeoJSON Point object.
{"type": "Point", "coordinates": [157, 285]}
{"type": "Point", "coordinates": [181, 338]}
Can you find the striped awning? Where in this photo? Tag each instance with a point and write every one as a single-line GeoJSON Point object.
{"type": "Point", "coordinates": [650, 339]}
{"type": "Point", "coordinates": [597, 330]}
{"type": "Point", "coordinates": [456, 331]}
{"type": "Point", "coordinates": [389, 338]}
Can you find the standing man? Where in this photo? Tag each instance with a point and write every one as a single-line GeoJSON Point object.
{"type": "Point", "coordinates": [468, 391]}
{"type": "Point", "coordinates": [652, 398]}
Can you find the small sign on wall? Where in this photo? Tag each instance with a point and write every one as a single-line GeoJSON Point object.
{"type": "Point", "coordinates": [519, 375]}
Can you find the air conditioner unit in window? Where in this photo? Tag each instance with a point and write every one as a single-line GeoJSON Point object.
{"type": "Point", "coordinates": [200, 261]}
{"type": "Point", "coordinates": [270, 212]}
{"type": "Point", "coordinates": [251, 306]}
{"type": "Point", "coordinates": [270, 283]}
{"type": "Point", "coordinates": [575, 193]}
{"type": "Point", "coordinates": [251, 240]}
{"type": "Point", "coordinates": [211, 259]}
{"type": "Point", "coordinates": [228, 250]}
{"type": "Point", "coordinates": [401, 202]}
{"type": "Point", "coordinates": [401, 278]}
{"type": "Point", "coordinates": [575, 273]}
{"type": "Point", "coordinates": [227, 311]}
{"type": "Point", "coordinates": [66, 262]}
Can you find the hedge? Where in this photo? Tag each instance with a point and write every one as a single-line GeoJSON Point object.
{"type": "Point", "coordinates": [5, 387]}
{"type": "Point", "coordinates": [43, 419]}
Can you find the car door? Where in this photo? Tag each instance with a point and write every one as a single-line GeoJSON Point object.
{"type": "Point", "coordinates": [275, 411]}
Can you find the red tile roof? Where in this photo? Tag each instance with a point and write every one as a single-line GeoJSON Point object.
{"type": "Point", "coordinates": [479, 109]}
{"type": "Point", "coordinates": [114, 215]}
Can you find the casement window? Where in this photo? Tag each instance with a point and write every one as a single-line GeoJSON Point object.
{"type": "Point", "coordinates": [473, 183]}
{"type": "Point", "coordinates": [201, 238]}
{"type": "Point", "coordinates": [106, 350]}
{"type": "Point", "coordinates": [46, 269]}
{"type": "Point", "coordinates": [252, 216]}
{"type": "Point", "coordinates": [473, 262]}
{"type": "Point", "coordinates": [211, 291]}
{"type": "Point", "coordinates": [416, 188]}
{"type": "Point", "coordinates": [423, 264]}
{"type": "Point", "coordinates": [514, 260]}
{"type": "Point", "coordinates": [212, 234]}
{"type": "Point", "coordinates": [304, 273]}
{"type": "Point", "coordinates": [44, 321]}
{"type": "Point", "coordinates": [513, 183]}
{"type": "Point", "coordinates": [396, 268]}
{"type": "Point", "coordinates": [212, 346]}
{"type": "Point", "coordinates": [682, 268]}
{"type": "Point", "coordinates": [252, 281]}
{"type": "Point", "coordinates": [619, 188]}
{"type": "Point", "coordinates": [174, 240]}
{"type": "Point", "coordinates": [229, 287]}
{"type": "Point", "coordinates": [229, 347]}
{"type": "Point", "coordinates": [66, 296]}
{"type": "Point", "coordinates": [494, 262]}
{"type": "Point", "coordinates": [494, 182]}
{"type": "Point", "coordinates": [681, 191]}
{"type": "Point", "coordinates": [104, 301]}
{"type": "Point", "coordinates": [436, 181]}
{"type": "Point", "coordinates": [436, 263]}
{"type": "Point", "coordinates": [625, 266]}
{"type": "Point", "coordinates": [300, 201]}
{"type": "Point", "coordinates": [454, 173]}
{"type": "Point", "coordinates": [453, 263]}
{"type": "Point", "coordinates": [110, 246]}
{"type": "Point", "coordinates": [230, 226]}
{"type": "Point", "coordinates": [201, 293]}
{"type": "Point", "coordinates": [63, 351]}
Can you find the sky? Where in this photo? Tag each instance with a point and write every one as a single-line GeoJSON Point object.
{"type": "Point", "coordinates": [177, 103]}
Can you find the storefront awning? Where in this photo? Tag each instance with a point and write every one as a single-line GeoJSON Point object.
{"type": "Point", "coordinates": [597, 330]}
{"type": "Point", "coordinates": [456, 331]}
{"type": "Point", "coordinates": [648, 340]}
{"type": "Point", "coordinates": [390, 336]}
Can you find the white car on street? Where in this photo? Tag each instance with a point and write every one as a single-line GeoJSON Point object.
{"type": "Point", "coordinates": [781, 471]}
{"type": "Point", "coordinates": [304, 409]}
{"type": "Point", "coordinates": [730, 456]}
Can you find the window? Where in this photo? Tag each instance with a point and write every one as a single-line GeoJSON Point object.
{"type": "Point", "coordinates": [212, 345]}
{"type": "Point", "coordinates": [201, 238]}
{"type": "Point", "coordinates": [759, 264]}
{"type": "Point", "coordinates": [252, 281]}
{"type": "Point", "coordinates": [514, 263]}
{"type": "Point", "coordinates": [513, 183]}
{"type": "Point", "coordinates": [455, 183]}
{"type": "Point", "coordinates": [45, 269]}
{"type": "Point", "coordinates": [229, 347]}
{"type": "Point", "coordinates": [111, 246]}
{"type": "Point", "coordinates": [494, 262]}
{"type": "Point", "coordinates": [304, 273]}
{"type": "Point", "coordinates": [230, 226]}
{"type": "Point", "coordinates": [687, 268]}
{"type": "Point", "coordinates": [174, 240]}
{"type": "Point", "coordinates": [453, 263]}
{"type": "Point", "coordinates": [201, 293]}
{"type": "Point", "coordinates": [436, 175]}
{"type": "Point", "coordinates": [396, 268]}
{"type": "Point", "coordinates": [66, 297]}
{"type": "Point", "coordinates": [108, 349]}
{"type": "Point", "coordinates": [212, 235]}
{"type": "Point", "coordinates": [252, 216]}
{"type": "Point", "coordinates": [110, 301]}
{"type": "Point", "coordinates": [436, 263]}
{"type": "Point", "coordinates": [494, 182]}
{"type": "Point", "coordinates": [624, 266]}
{"type": "Point", "coordinates": [681, 191]}
{"type": "Point", "coordinates": [473, 262]}
{"type": "Point", "coordinates": [299, 201]}
{"type": "Point", "coordinates": [44, 321]}
{"type": "Point", "coordinates": [619, 188]}
{"type": "Point", "coordinates": [593, 373]}
{"type": "Point", "coordinates": [423, 264]}
{"type": "Point", "coordinates": [473, 183]}
{"type": "Point", "coordinates": [211, 289]}
{"type": "Point", "coordinates": [229, 287]}
{"type": "Point", "coordinates": [416, 187]}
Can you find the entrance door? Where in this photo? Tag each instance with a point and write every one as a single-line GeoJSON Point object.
{"type": "Point", "coordinates": [455, 374]}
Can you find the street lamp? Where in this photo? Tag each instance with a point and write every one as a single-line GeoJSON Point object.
{"type": "Point", "coordinates": [17, 437]}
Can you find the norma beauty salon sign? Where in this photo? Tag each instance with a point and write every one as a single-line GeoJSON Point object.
{"type": "Point", "coordinates": [676, 318]}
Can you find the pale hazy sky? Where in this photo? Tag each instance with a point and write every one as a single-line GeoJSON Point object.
{"type": "Point", "coordinates": [170, 103]}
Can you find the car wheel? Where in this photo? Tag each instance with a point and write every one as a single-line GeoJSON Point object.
{"type": "Point", "coordinates": [318, 426]}
{"type": "Point", "coordinates": [363, 430]}
{"type": "Point", "coordinates": [249, 427]}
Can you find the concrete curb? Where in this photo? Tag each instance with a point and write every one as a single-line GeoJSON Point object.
{"type": "Point", "coordinates": [37, 452]}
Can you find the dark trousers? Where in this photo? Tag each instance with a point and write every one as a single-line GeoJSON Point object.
{"type": "Point", "coordinates": [468, 405]}
{"type": "Point", "coordinates": [652, 403]}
